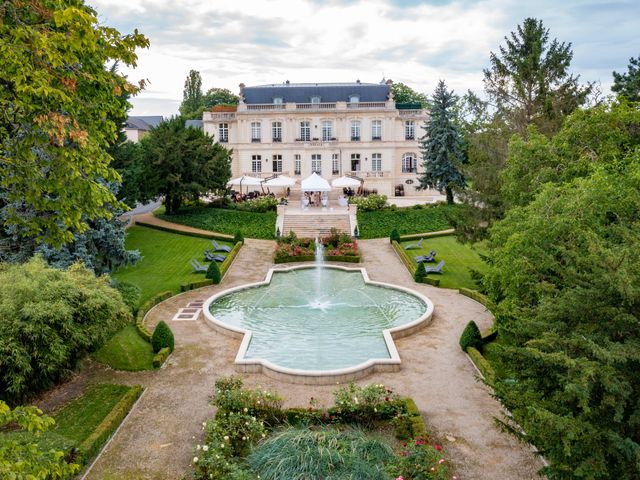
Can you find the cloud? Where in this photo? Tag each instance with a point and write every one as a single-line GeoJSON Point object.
{"type": "Point", "coordinates": [414, 41]}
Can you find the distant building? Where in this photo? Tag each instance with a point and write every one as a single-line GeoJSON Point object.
{"type": "Point", "coordinates": [137, 127]}
{"type": "Point", "coordinates": [329, 128]}
{"type": "Point", "coordinates": [193, 124]}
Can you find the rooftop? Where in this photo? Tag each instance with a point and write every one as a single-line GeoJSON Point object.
{"type": "Point", "coordinates": [325, 92]}
{"type": "Point", "coordinates": [144, 123]}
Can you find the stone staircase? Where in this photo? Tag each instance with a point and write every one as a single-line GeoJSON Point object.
{"type": "Point", "coordinates": [311, 225]}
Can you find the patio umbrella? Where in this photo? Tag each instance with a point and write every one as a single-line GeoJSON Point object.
{"type": "Point", "coordinates": [280, 181]}
{"type": "Point", "coordinates": [345, 182]}
{"type": "Point", "coordinates": [246, 181]}
{"type": "Point", "coordinates": [315, 183]}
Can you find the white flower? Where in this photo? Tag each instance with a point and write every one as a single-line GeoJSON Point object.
{"type": "Point", "coordinates": [204, 424]}
{"type": "Point", "coordinates": [258, 402]}
{"type": "Point", "coordinates": [195, 459]}
{"type": "Point", "coordinates": [226, 438]}
{"type": "Point", "coordinates": [198, 447]}
{"type": "Point", "coordinates": [244, 438]}
{"type": "Point", "coordinates": [264, 435]}
{"type": "Point", "coordinates": [222, 445]}
{"type": "Point", "coordinates": [246, 409]}
{"type": "Point", "coordinates": [375, 410]}
{"type": "Point", "coordinates": [355, 399]}
{"type": "Point", "coordinates": [205, 448]}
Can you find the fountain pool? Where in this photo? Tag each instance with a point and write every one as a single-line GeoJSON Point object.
{"type": "Point", "coordinates": [318, 324]}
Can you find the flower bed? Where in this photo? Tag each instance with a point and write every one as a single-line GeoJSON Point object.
{"type": "Point", "coordinates": [338, 247]}
{"type": "Point", "coordinates": [252, 437]}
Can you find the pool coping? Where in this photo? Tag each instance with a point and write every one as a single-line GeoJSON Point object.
{"type": "Point", "coordinates": [318, 377]}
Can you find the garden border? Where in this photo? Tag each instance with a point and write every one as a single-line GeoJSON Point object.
{"type": "Point", "coordinates": [312, 258]}
{"type": "Point", "coordinates": [438, 233]}
{"type": "Point", "coordinates": [213, 235]}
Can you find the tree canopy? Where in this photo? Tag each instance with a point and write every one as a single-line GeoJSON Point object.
{"type": "Point", "coordinates": [58, 103]}
{"type": "Point", "coordinates": [191, 95]}
{"type": "Point", "coordinates": [628, 84]}
{"type": "Point", "coordinates": [404, 94]}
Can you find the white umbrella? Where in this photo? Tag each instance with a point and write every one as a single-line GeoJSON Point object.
{"type": "Point", "coordinates": [280, 181]}
{"type": "Point", "coordinates": [246, 181]}
{"type": "Point", "coordinates": [345, 182]}
{"type": "Point", "coordinates": [315, 183]}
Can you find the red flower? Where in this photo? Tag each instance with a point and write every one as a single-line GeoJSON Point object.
{"type": "Point", "coordinates": [438, 447]}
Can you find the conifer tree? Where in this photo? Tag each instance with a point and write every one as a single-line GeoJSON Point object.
{"type": "Point", "coordinates": [442, 147]}
{"type": "Point", "coordinates": [628, 84]}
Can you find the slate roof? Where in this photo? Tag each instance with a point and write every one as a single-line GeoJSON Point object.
{"type": "Point", "coordinates": [328, 92]}
{"type": "Point", "coordinates": [193, 124]}
{"type": "Point", "coordinates": [145, 123]}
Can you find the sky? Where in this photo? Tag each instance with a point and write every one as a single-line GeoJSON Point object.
{"type": "Point", "coordinates": [415, 42]}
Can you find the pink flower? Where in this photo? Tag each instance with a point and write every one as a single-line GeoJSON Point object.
{"type": "Point", "coordinates": [400, 478]}
{"type": "Point", "coordinates": [441, 461]}
{"type": "Point", "coordinates": [438, 447]}
{"type": "Point", "coordinates": [419, 442]}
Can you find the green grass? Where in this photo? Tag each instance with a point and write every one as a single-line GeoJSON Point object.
{"type": "Point", "coordinates": [419, 219]}
{"type": "Point", "coordinates": [458, 258]}
{"type": "Point", "coordinates": [251, 224]}
{"type": "Point", "coordinates": [165, 260]}
{"type": "Point", "coordinates": [126, 350]}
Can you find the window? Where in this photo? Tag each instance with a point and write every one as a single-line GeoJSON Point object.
{"type": "Point", "coordinates": [256, 163]}
{"type": "Point", "coordinates": [376, 130]}
{"type": "Point", "coordinates": [409, 130]}
{"type": "Point", "coordinates": [255, 131]}
{"type": "Point", "coordinates": [355, 162]}
{"type": "Point", "coordinates": [355, 130]}
{"type": "Point", "coordinates": [327, 130]}
{"type": "Point", "coordinates": [376, 162]}
{"type": "Point", "coordinates": [223, 132]}
{"type": "Point", "coordinates": [305, 131]}
{"type": "Point", "coordinates": [297, 164]}
{"type": "Point", "coordinates": [316, 163]}
{"type": "Point", "coordinates": [315, 99]}
{"type": "Point", "coordinates": [335, 164]}
{"type": "Point", "coordinates": [354, 99]}
{"type": "Point", "coordinates": [277, 163]}
{"type": "Point", "coordinates": [277, 100]}
{"type": "Point", "coordinates": [409, 163]}
{"type": "Point", "coordinates": [276, 130]}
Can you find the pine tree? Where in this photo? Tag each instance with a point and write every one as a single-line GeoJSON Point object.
{"type": "Point", "coordinates": [442, 147]}
{"type": "Point", "coordinates": [628, 84]}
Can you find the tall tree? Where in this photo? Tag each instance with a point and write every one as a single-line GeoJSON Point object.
{"type": "Point", "coordinates": [628, 84]}
{"type": "Point", "coordinates": [57, 103]}
{"type": "Point", "coordinates": [404, 94]}
{"type": "Point", "coordinates": [442, 147]}
{"type": "Point", "coordinates": [183, 163]}
{"type": "Point", "coordinates": [219, 96]}
{"type": "Point", "coordinates": [529, 80]}
{"type": "Point", "coordinates": [191, 95]}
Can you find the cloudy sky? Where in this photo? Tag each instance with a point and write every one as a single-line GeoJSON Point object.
{"type": "Point", "coordinates": [410, 41]}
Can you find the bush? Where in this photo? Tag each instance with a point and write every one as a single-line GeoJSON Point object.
{"type": "Point", "coordinates": [49, 320]}
{"type": "Point", "coordinates": [160, 357]}
{"type": "Point", "coordinates": [238, 237]}
{"type": "Point", "coordinates": [370, 203]}
{"type": "Point", "coordinates": [394, 236]}
{"type": "Point", "coordinates": [420, 274]}
{"type": "Point", "coordinates": [259, 205]}
{"type": "Point", "coordinates": [130, 294]}
{"type": "Point", "coordinates": [214, 273]}
{"type": "Point", "coordinates": [471, 337]}
{"type": "Point", "coordinates": [162, 337]}
{"type": "Point", "coordinates": [365, 405]}
{"type": "Point", "coordinates": [421, 461]}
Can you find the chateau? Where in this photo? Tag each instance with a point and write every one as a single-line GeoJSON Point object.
{"type": "Point", "coordinates": [333, 129]}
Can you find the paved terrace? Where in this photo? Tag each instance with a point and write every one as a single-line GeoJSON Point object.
{"type": "Point", "coordinates": [156, 440]}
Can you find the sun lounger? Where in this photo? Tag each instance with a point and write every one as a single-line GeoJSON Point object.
{"type": "Point", "coordinates": [197, 267]}
{"type": "Point", "coordinates": [209, 256]}
{"type": "Point", "coordinates": [414, 245]}
{"type": "Point", "coordinates": [220, 248]}
{"type": "Point", "coordinates": [426, 258]}
{"type": "Point", "coordinates": [436, 269]}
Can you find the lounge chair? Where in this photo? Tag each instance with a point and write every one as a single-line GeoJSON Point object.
{"type": "Point", "coordinates": [209, 256]}
{"type": "Point", "coordinates": [197, 267]}
{"type": "Point", "coordinates": [436, 269]}
{"type": "Point", "coordinates": [426, 258]}
{"type": "Point", "coordinates": [414, 245]}
{"type": "Point", "coordinates": [220, 248]}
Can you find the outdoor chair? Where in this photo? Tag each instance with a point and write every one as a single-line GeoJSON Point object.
{"type": "Point", "coordinates": [197, 267]}
{"type": "Point", "coordinates": [436, 269]}
{"type": "Point", "coordinates": [209, 256]}
{"type": "Point", "coordinates": [414, 245]}
{"type": "Point", "coordinates": [220, 248]}
{"type": "Point", "coordinates": [426, 258]}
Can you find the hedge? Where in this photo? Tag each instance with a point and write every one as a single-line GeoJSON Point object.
{"type": "Point", "coordinates": [475, 295]}
{"type": "Point", "coordinates": [311, 258]}
{"type": "Point", "coordinates": [224, 266]}
{"type": "Point", "coordinates": [165, 228]}
{"type": "Point", "coordinates": [418, 236]}
{"type": "Point", "coordinates": [482, 364]}
{"type": "Point", "coordinates": [197, 284]}
{"type": "Point", "coordinates": [160, 357]}
{"type": "Point", "coordinates": [410, 266]}
{"type": "Point", "coordinates": [142, 311]}
{"type": "Point", "coordinates": [92, 444]}
{"type": "Point", "coordinates": [417, 423]}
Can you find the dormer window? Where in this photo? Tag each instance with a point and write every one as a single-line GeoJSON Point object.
{"type": "Point", "coordinates": [354, 99]}
{"type": "Point", "coordinates": [277, 100]}
{"type": "Point", "coordinates": [315, 99]}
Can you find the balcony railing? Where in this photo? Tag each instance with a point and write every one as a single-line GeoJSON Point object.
{"type": "Point", "coordinates": [264, 174]}
{"type": "Point", "coordinates": [409, 137]}
{"type": "Point", "coordinates": [376, 139]}
{"type": "Point", "coordinates": [366, 105]}
{"type": "Point", "coordinates": [277, 139]}
{"type": "Point", "coordinates": [315, 106]}
{"type": "Point", "coordinates": [355, 139]}
{"type": "Point", "coordinates": [223, 140]}
{"type": "Point", "coordinates": [265, 106]}
{"type": "Point", "coordinates": [370, 174]}
{"type": "Point", "coordinates": [411, 113]}
{"type": "Point", "coordinates": [255, 140]}
{"type": "Point", "coordinates": [223, 116]}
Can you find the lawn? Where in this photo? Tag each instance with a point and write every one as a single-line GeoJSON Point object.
{"type": "Point", "coordinates": [251, 224]}
{"type": "Point", "coordinates": [126, 350]}
{"type": "Point", "coordinates": [165, 260]}
{"type": "Point", "coordinates": [418, 219]}
{"type": "Point", "coordinates": [458, 258]}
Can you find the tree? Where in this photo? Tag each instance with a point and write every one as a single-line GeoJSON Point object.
{"type": "Point", "coordinates": [529, 80]}
{"type": "Point", "coordinates": [183, 163]}
{"type": "Point", "coordinates": [442, 146]}
{"type": "Point", "coordinates": [21, 457]}
{"type": "Point", "coordinates": [57, 103]}
{"type": "Point", "coordinates": [192, 95]}
{"type": "Point", "coordinates": [628, 84]}
{"type": "Point", "coordinates": [405, 94]}
{"type": "Point", "coordinates": [219, 96]}
{"type": "Point", "coordinates": [128, 160]}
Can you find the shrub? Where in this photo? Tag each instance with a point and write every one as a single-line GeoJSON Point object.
{"type": "Point", "coordinates": [420, 461]}
{"type": "Point", "coordinates": [364, 405]}
{"type": "Point", "coordinates": [230, 397]}
{"type": "Point", "coordinates": [160, 357]}
{"type": "Point", "coordinates": [162, 337]}
{"type": "Point", "coordinates": [394, 236]}
{"type": "Point", "coordinates": [238, 237]}
{"type": "Point", "coordinates": [471, 337]}
{"type": "Point", "coordinates": [214, 273]}
{"type": "Point", "coordinates": [130, 294]}
{"type": "Point", "coordinates": [49, 319]}
{"type": "Point", "coordinates": [259, 205]}
{"type": "Point", "coordinates": [370, 203]}
{"type": "Point", "coordinates": [420, 274]}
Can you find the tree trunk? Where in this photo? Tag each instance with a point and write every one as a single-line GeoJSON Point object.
{"type": "Point", "coordinates": [449, 193]}
{"type": "Point", "coordinates": [175, 204]}
{"type": "Point", "coordinates": [168, 204]}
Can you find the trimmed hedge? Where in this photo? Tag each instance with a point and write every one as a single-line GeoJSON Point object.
{"type": "Point", "coordinates": [214, 235]}
{"type": "Point", "coordinates": [213, 273]}
{"type": "Point", "coordinates": [142, 311]}
{"type": "Point", "coordinates": [471, 337]}
{"type": "Point", "coordinates": [410, 266]}
{"type": "Point", "coordinates": [197, 284]}
{"type": "Point", "coordinates": [311, 258]}
{"type": "Point", "coordinates": [418, 236]}
{"type": "Point", "coordinates": [94, 442]}
{"type": "Point", "coordinates": [162, 337]}
{"type": "Point", "coordinates": [394, 235]}
{"type": "Point", "coordinates": [474, 295]}
{"type": "Point", "coordinates": [230, 258]}
{"type": "Point", "coordinates": [160, 357]}
{"type": "Point", "coordinates": [482, 364]}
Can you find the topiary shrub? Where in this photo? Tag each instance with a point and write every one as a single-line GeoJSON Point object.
{"type": "Point", "coordinates": [420, 274]}
{"type": "Point", "coordinates": [162, 337]}
{"type": "Point", "coordinates": [471, 337]}
{"type": "Point", "coordinates": [238, 237]}
{"type": "Point", "coordinates": [394, 236]}
{"type": "Point", "coordinates": [214, 273]}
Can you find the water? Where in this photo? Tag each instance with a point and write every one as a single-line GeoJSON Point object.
{"type": "Point", "coordinates": [318, 318]}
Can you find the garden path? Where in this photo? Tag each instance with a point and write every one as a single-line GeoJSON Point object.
{"type": "Point", "coordinates": [156, 441]}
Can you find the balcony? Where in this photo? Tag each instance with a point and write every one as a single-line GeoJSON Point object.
{"type": "Point", "coordinates": [366, 105]}
{"type": "Point", "coordinates": [223, 140]}
{"type": "Point", "coordinates": [376, 139]}
{"type": "Point", "coordinates": [409, 170]}
{"type": "Point", "coordinates": [221, 115]}
{"type": "Point", "coordinates": [370, 174]}
{"type": "Point", "coordinates": [276, 139]}
{"type": "Point", "coordinates": [265, 106]}
{"type": "Point", "coordinates": [315, 106]}
{"type": "Point", "coordinates": [355, 139]}
{"type": "Point", "coordinates": [409, 137]}
{"type": "Point", "coordinates": [255, 140]}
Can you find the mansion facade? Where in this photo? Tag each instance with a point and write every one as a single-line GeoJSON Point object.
{"type": "Point", "coordinates": [333, 129]}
